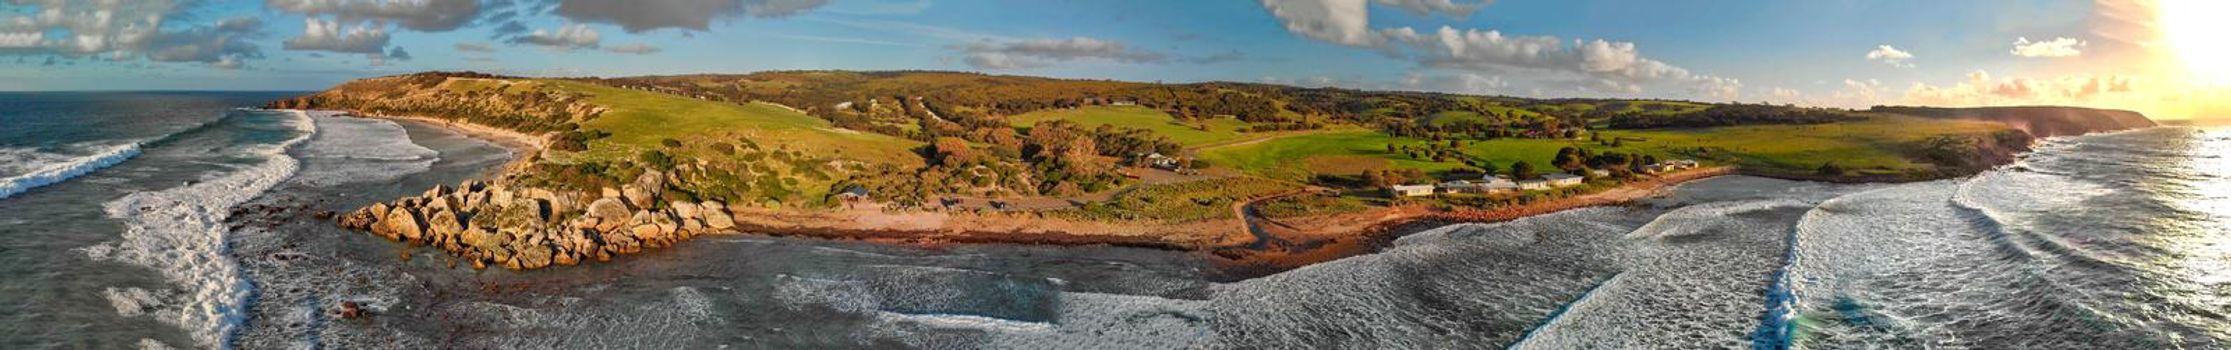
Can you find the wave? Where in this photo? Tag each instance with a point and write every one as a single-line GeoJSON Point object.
{"type": "Point", "coordinates": [57, 173]}
{"type": "Point", "coordinates": [359, 150]}
{"type": "Point", "coordinates": [180, 232]}
{"type": "Point", "coordinates": [63, 168]}
{"type": "Point", "coordinates": [1527, 340]}
{"type": "Point", "coordinates": [1699, 219]}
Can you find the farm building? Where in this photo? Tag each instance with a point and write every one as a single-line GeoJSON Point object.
{"type": "Point", "coordinates": [1410, 190]}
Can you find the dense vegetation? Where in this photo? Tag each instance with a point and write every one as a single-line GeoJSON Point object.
{"type": "Point", "coordinates": [1731, 115]}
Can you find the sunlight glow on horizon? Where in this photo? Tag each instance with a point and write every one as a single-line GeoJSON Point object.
{"type": "Point", "coordinates": [2195, 33]}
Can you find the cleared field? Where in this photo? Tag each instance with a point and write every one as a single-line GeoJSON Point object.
{"type": "Point", "coordinates": [1296, 158]}
{"type": "Point", "coordinates": [1181, 202]}
{"type": "Point", "coordinates": [1220, 129]}
{"type": "Point", "coordinates": [1869, 146]}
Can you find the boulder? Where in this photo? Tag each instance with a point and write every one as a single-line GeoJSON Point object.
{"type": "Point", "coordinates": [532, 257]}
{"type": "Point", "coordinates": [637, 197]}
{"type": "Point", "coordinates": [610, 213]}
{"type": "Point", "coordinates": [646, 189]}
{"type": "Point", "coordinates": [401, 224]}
{"type": "Point", "coordinates": [650, 234]}
{"type": "Point", "coordinates": [719, 220]}
{"type": "Point", "coordinates": [686, 210]}
{"type": "Point", "coordinates": [499, 194]}
{"type": "Point", "coordinates": [666, 222]}
{"type": "Point", "coordinates": [564, 259]}
{"type": "Point", "coordinates": [442, 223]}
{"type": "Point", "coordinates": [691, 227]}
{"type": "Point", "coordinates": [437, 191]}
{"type": "Point", "coordinates": [484, 239]}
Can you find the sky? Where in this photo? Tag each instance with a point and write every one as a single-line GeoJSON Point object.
{"type": "Point", "coordinates": [2167, 58]}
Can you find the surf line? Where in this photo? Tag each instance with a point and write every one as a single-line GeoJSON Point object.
{"type": "Point", "coordinates": [1560, 312]}
{"type": "Point", "coordinates": [1774, 328]}
{"type": "Point", "coordinates": [81, 166]}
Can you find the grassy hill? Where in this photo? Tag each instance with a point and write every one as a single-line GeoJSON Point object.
{"type": "Point", "coordinates": [640, 120]}
{"type": "Point", "coordinates": [1192, 134]}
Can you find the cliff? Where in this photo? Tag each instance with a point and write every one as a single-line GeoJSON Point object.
{"type": "Point", "coordinates": [2038, 121]}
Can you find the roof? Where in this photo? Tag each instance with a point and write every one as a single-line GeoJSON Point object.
{"type": "Point", "coordinates": [1559, 176]}
{"type": "Point", "coordinates": [1411, 187]}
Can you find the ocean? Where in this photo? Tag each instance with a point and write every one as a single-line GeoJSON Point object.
{"type": "Point", "coordinates": [178, 220]}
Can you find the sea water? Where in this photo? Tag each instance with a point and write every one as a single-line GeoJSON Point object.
{"type": "Point", "coordinates": [205, 239]}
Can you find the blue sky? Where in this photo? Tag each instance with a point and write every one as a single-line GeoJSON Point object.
{"type": "Point", "coordinates": [1827, 52]}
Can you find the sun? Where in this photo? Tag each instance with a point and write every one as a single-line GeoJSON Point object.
{"type": "Point", "coordinates": [2196, 30]}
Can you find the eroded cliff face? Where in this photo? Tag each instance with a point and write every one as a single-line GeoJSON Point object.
{"type": "Point", "coordinates": [2039, 122]}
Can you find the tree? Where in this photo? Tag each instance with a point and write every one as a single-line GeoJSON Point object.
{"type": "Point", "coordinates": [1412, 175]}
{"type": "Point", "coordinates": [952, 151]}
{"type": "Point", "coordinates": [1522, 170]}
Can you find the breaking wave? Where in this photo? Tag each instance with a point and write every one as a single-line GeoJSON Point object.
{"type": "Point", "coordinates": [180, 232]}
{"type": "Point", "coordinates": [54, 173]}
{"type": "Point", "coordinates": [359, 150]}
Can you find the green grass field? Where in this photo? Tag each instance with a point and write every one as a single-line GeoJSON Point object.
{"type": "Point", "coordinates": [1219, 129]}
{"type": "Point", "coordinates": [1869, 147]}
{"type": "Point", "coordinates": [640, 120]}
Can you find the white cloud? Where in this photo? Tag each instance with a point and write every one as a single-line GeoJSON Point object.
{"type": "Point", "coordinates": [1345, 22]}
{"type": "Point", "coordinates": [567, 38]}
{"type": "Point", "coordinates": [1600, 66]}
{"type": "Point", "coordinates": [1430, 7]}
{"type": "Point", "coordinates": [638, 15]}
{"type": "Point", "coordinates": [1982, 89]}
{"type": "Point", "coordinates": [323, 35]}
{"type": "Point", "coordinates": [635, 48]}
{"type": "Point", "coordinates": [21, 40]}
{"type": "Point", "coordinates": [1043, 52]}
{"type": "Point", "coordinates": [474, 47]}
{"type": "Point", "coordinates": [1890, 55]}
{"type": "Point", "coordinates": [418, 15]}
{"type": "Point", "coordinates": [2059, 47]}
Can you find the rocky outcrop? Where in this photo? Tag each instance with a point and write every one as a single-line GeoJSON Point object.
{"type": "Point", "coordinates": [495, 225]}
{"type": "Point", "coordinates": [2040, 122]}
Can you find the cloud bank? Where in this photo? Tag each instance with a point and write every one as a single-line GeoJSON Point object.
{"type": "Point", "coordinates": [1045, 52]}
{"type": "Point", "coordinates": [638, 16]}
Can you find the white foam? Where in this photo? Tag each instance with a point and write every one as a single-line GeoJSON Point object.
{"type": "Point", "coordinates": [180, 232]}
{"type": "Point", "coordinates": [57, 172]}
{"type": "Point", "coordinates": [364, 150]}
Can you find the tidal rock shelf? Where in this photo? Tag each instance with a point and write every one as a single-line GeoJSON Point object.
{"type": "Point", "coordinates": [530, 228]}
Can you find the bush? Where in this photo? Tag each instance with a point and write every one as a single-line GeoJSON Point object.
{"type": "Point", "coordinates": [656, 160]}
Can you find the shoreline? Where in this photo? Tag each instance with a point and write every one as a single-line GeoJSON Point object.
{"type": "Point", "coordinates": [1238, 248]}
{"type": "Point", "coordinates": [1298, 249]}
{"type": "Point", "coordinates": [524, 148]}
{"type": "Point", "coordinates": [1227, 244]}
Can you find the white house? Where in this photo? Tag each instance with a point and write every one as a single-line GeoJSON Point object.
{"type": "Point", "coordinates": [1599, 172]}
{"type": "Point", "coordinates": [1410, 190]}
{"type": "Point", "coordinates": [1533, 185]}
{"type": "Point", "coordinates": [1493, 184]}
{"type": "Point", "coordinates": [1562, 179]}
{"type": "Point", "coordinates": [1161, 161]}
{"type": "Point", "coordinates": [1461, 186]}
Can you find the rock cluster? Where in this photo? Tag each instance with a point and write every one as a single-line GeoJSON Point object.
{"type": "Point", "coordinates": [534, 228]}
